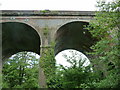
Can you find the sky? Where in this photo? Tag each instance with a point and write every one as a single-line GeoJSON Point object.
{"type": "Point", "coordinates": [74, 5]}
{"type": "Point", "coordinates": [71, 55]}
{"type": "Point", "coordinates": [62, 60]}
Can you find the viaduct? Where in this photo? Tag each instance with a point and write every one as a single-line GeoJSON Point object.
{"type": "Point", "coordinates": [36, 30]}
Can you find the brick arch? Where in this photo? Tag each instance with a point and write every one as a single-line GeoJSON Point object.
{"type": "Point", "coordinates": [17, 37]}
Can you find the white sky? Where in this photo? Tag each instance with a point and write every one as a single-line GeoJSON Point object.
{"type": "Point", "coordinates": [80, 5]}
{"type": "Point", "coordinates": [62, 60]}
{"type": "Point", "coordinates": [75, 55]}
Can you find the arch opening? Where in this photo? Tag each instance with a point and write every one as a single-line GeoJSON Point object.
{"type": "Point", "coordinates": [75, 36]}
{"type": "Point", "coordinates": [18, 37]}
{"type": "Point", "coordinates": [70, 57]}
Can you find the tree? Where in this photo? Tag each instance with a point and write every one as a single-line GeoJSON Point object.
{"type": "Point", "coordinates": [21, 71]}
{"type": "Point", "coordinates": [70, 77]}
{"type": "Point", "coordinates": [77, 74]}
{"type": "Point", "coordinates": [105, 28]}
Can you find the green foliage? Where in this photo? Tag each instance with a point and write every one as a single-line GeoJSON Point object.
{"type": "Point", "coordinates": [76, 75]}
{"type": "Point", "coordinates": [70, 77]}
{"type": "Point", "coordinates": [44, 11]}
{"type": "Point", "coordinates": [46, 31]}
{"type": "Point", "coordinates": [105, 28]}
{"type": "Point", "coordinates": [21, 71]}
{"type": "Point", "coordinates": [111, 81]}
{"type": "Point", "coordinates": [0, 80]}
{"type": "Point", "coordinates": [47, 62]}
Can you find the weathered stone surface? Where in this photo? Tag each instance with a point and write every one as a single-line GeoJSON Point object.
{"type": "Point", "coordinates": [46, 13]}
{"type": "Point", "coordinates": [30, 30]}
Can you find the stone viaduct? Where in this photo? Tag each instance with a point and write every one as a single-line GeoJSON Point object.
{"type": "Point", "coordinates": [36, 30]}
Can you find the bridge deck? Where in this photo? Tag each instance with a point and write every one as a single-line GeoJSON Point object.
{"type": "Point", "coordinates": [45, 13]}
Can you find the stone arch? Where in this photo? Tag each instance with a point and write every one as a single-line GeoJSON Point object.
{"type": "Point", "coordinates": [74, 20]}
{"type": "Point", "coordinates": [27, 23]}
{"type": "Point", "coordinates": [66, 22]}
{"type": "Point", "coordinates": [17, 37]}
{"type": "Point", "coordinates": [73, 35]}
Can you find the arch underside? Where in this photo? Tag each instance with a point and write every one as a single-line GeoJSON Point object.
{"type": "Point", "coordinates": [74, 35]}
{"type": "Point", "coordinates": [18, 37]}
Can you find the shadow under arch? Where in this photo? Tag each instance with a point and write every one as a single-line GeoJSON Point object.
{"type": "Point", "coordinates": [75, 36]}
{"type": "Point", "coordinates": [18, 37]}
